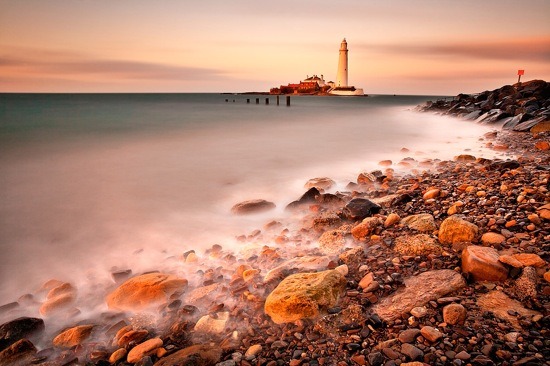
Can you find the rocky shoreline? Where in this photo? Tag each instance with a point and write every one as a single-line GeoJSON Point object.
{"type": "Point", "coordinates": [445, 265]}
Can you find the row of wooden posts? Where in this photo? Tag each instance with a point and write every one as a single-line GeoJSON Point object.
{"type": "Point", "coordinates": [266, 100]}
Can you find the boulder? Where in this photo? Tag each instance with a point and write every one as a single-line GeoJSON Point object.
{"type": "Point", "coordinates": [465, 158]}
{"type": "Point", "coordinates": [298, 264]}
{"type": "Point", "coordinates": [18, 329]}
{"type": "Point", "coordinates": [332, 242]}
{"type": "Point", "coordinates": [502, 307]}
{"type": "Point", "coordinates": [61, 295]}
{"type": "Point", "coordinates": [418, 291]}
{"type": "Point", "coordinates": [323, 183]}
{"type": "Point", "coordinates": [146, 348]}
{"type": "Point", "coordinates": [73, 336]}
{"type": "Point", "coordinates": [420, 222]}
{"type": "Point", "coordinates": [529, 259]}
{"type": "Point", "coordinates": [368, 283]}
{"type": "Point", "coordinates": [196, 355]}
{"type": "Point", "coordinates": [454, 314]}
{"type": "Point", "coordinates": [18, 354]}
{"type": "Point", "coordinates": [492, 239]}
{"type": "Point", "coordinates": [432, 193]}
{"type": "Point", "coordinates": [304, 296]}
{"type": "Point", "coordinates": [525, 287]}
{"type": "Point", "coordinates": [431, 334]}
{"type": "Point", "coordinates": [386, 201]}
{"type": "Point", "coordinates": [308, 197]}
{"type": "Point", "coordinates": [456, 230]}
{"type": "Point", "coordinates": [544, 212]}
{"type": "Point", "coordinates": [482, 264]}
{"type": "Point", "coordinates": [212, 324]}
{"type": "Point", "coordinates": [252, 207]}
{"type": "Point", "coordinates": [203, 294]}
{"type": "Point", "coordinates": [543, 126]}
{"type": "Point", "coordinates": [527, 125]}
{"type": "Point", "coordinates": [359, 208]}
{"type": "Point", "coordinates": [511, 261]}
{"type": "Point", "coordinates": [365, 228]}
{"type": "Point", "coordinates": [117, 355]}
{"type": "Point", "coordinates": [420, 244]}
{"type": "Point", "coordinates": [408, 335]}
{"type": "Point", "coordinates": [146, 290]}
{"type": "Point", "coordinates": [411, 351]}
{"type": "Point", "coordinates": [132, 336]}
{"type": "Point", "coordinates": [391, 220]}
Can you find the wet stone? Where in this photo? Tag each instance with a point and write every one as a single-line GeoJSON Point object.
{"type": "Point", "coordinates": [411, 351]}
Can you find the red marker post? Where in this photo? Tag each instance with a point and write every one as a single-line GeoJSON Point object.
{"type": "Point", "coordinates": [520, 72]}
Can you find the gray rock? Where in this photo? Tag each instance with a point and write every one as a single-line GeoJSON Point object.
{"type": "Point", "coordinates": [18, 329]}
{"type": "Point", "coordinates": [360, 208]}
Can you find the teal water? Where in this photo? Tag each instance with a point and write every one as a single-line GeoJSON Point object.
{"type": "Point", "coordinates": [88, 179]}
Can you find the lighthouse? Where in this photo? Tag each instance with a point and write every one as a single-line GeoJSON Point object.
{"type": "Point", "coordinates": [341, 86]}
{"type": "Point", "coordinates": [342, 75]}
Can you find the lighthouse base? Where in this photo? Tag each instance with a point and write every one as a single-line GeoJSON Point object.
{"type": "Point", "coordinates": [346, 91]}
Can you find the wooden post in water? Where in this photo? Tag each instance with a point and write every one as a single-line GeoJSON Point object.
{"type": "Point", "coordinates": [257, 100]}
{"type": "Point", "coordinates": [277, 100]}
{"type": "Point", "coordinates": [288, 100]}
{"type": "Point", "coordinates": [266, 101]}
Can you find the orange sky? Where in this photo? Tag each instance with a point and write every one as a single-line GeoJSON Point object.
{"type": "Point", "coordinates": [396, 47]}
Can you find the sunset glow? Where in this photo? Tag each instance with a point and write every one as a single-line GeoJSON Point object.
{"type": "Point", "coordinates": [396, 47]}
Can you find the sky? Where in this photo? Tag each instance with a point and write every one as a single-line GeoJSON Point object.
{"type": "Point", "coordinates": [425, 47]}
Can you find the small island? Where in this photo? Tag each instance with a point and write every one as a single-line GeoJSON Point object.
{"type": "Point", "coordinates": [316, 85]}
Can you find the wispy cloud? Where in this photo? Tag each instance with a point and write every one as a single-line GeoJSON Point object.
{"type": "Point", "coordinates": [52, 63]}
{"type": "Point", "coordinates": [533, 49]}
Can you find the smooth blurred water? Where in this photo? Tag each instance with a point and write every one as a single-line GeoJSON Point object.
{"type": "Point", "coordinates": [88, 179]}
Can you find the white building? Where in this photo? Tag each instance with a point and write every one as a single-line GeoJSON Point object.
{"type": "Point", "coordinates": [315, 78]}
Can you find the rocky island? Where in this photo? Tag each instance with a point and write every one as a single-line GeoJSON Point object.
{"type": "Point", "coordinates": [444, 265]}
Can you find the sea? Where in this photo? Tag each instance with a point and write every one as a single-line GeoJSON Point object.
{"type": "Point", "coordinates": [94, 183]}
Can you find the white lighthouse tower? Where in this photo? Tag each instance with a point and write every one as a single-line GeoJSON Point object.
{"type": "Point", "coordinates": [342, 75]}
{"type": "Point", "coordinates": [341, 86]}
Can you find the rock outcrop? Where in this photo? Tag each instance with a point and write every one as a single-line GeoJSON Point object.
{"type": "Point", "coordinates": [519, 107]}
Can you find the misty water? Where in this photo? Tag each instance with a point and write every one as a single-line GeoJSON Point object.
{"type": "Point", "coordinates": [91, 183]}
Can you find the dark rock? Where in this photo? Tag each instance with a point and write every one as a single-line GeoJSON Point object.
{"type": "Point", "coordinates": [527, 125]}
{"type": "Point", "coordinates": [19, 353]}
{"type": "Point", "coordinates": [308, 197]}
{"type": "Point", "coordinates": [409, 335]}
{"type": "Point", "coordinates": [252, 206]}
{"type": "Point", "coordinates": [18, 329]}
{"type": "Point", "coordinates": [505, 165]}
{"type": "Point", "coordinates": [8, 307]}
{"type": "Point", "coordinates": [483, 360]}
{"type": "Point", "coordinates": [196, 355]}
{"type": "Point", "coordinates": [360, 208]}
{"type": "Point", "coordinates": [145, 361]}
{"type": "Point", "coordinates": [375, 358]}
{"type": "Point", "coordinates": [411, 351]}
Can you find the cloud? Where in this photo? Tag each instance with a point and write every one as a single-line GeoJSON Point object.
{"type": "Point", "coordinates": [532, 49]}
{"type": "Point", "coordinates": [52, 63]}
